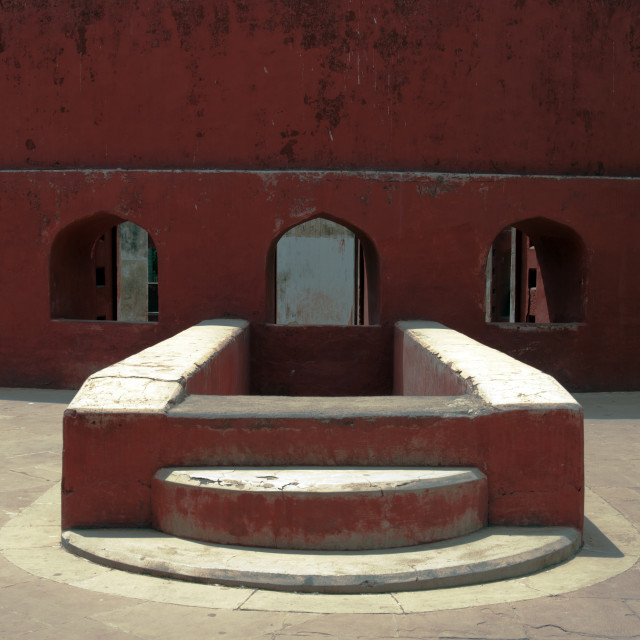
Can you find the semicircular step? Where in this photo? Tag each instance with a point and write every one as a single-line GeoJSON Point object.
{"type": "Point", "coordinates": [494, 553]}
{"type": "Point", "coordinates": [330, 508]}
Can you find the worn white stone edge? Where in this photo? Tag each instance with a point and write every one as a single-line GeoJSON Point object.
{"type": "Point", "coordinates": [153, 379]}
{"type": "Point", "coordinates": [498, 379]}
{"type": "Point", "coordinates": [490, 554]}
{"type": "Point", "coordinates": [325, 480]}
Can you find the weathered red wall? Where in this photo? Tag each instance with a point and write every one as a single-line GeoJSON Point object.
{"type": "Point", "coordinates": [419, 372]}
{"type": "Point", "coordinates": [226, 374]}
{"type": "Point", "coordinates": [347, 520]}
{"type": "Point", "coordinates": [108, 465]}
{"type": "Point", "coordinates": [519, 86]}
{"type": "Point", "coordinates": [432, 235]}
{"type": "Point", "coordinates": [75, 254]}
{"type": "Point", "coordinates": [321, 360]}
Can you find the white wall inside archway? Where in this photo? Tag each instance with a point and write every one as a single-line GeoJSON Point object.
{"type": "Point", "coordinates": [318, 275]}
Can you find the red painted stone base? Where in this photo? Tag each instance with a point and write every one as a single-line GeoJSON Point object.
{"type": "Point", "coordinates": [319, 507]}
{"type": "Point", "coordinates": [516, 425]}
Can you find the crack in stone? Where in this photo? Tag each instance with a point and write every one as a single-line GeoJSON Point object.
{"type": "Point", "coordinates": [393, 597]}
{"type": "Point", "coordinates": [288, 484]}
{"type": "Point", "coordinates": [29, 475]}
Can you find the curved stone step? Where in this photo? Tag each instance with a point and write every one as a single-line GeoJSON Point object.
{"type": "Point", "coordinates": [494, 553]}
{"type": "Point", "coordinates": [331, 508]}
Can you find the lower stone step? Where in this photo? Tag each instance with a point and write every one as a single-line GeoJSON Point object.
{"type": "Point", "coordinates": [325, 508]}
{"type": "Point", "coordinates": [494, 553]}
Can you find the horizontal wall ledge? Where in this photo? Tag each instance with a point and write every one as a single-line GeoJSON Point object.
{"type": "Point", "coordinates": [409, 174]}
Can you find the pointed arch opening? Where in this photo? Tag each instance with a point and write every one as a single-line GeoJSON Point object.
{"type": "Point", "coordinates": [322, 272]}
{"type": "Point", "coordinates": [536, 274]}
{"type": "Point", "coordinates": [104, 268]}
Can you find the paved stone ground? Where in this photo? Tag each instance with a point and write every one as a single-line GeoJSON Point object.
{"type": "Point", "coordinates": [41, 608]}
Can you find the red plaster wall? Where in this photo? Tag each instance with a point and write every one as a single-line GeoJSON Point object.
{"type": "Point", "coordinates": [522, 87]}
{"type": "Point", "coordinates": [432, 235]}
{"type": "Point", "coordinates": [519, 86]}
{"type": "Point", "coordinates": [351, 520]}
{"type": "Point", "coordinates": [317, 360]}
{"type": "Point", "coordinates": [226, 374]}
{"type": "Point", "coordinates": [418, 372]}
{"type": "Point", "coordinates": [75, 254]}
{"type": "Point", "coordinates": [108, 465]}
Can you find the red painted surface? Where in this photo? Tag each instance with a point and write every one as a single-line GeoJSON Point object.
{"type": "Point", "coordinates": [405, 85]}
{"type": "Point", "coordinates": [560, 251]}
{"type": "Point", "coordinates": [534, 299]}
{"type": "Point", "coordinates": [321, 361]}
{"type": "Point", "coordinates": [533, 459]}
{"type": "Point", "coordinates": [417, 372]}
{"type": "Point", "coordinates": [522, 87]}
{"type": "Point", "coordinates": [312, 520]}
{"type": "Point", "coordinates": [227, 373]}
{"type": "Point", "coordinates": [76, 253]}
{"type": "Point", "coordinates": [215, 231]}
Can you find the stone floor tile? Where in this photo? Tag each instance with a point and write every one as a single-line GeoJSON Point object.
{"type": "Point", "coordinates": [339, 625]}
{"type": "Point", "coordinates": [13, 502]}
{"type": "Point", "coordinates": [15, 537]}
{"type": "Point", "coordinates": [339, 635]}
{"type": "Point", "coordinates": [624, 586]}
{"type": "Point", "coordinates": [615, 535]}
{"type": "Point", "coordinates": [21, 448]}
{"type": "Point", "coordinates": [321, 603]}
{"type": "Point", "coordinates": [624, 499]}
{"type": "Point", "coordinates": [38, 514]}
{"type": "Point", "coordinates": [76, 629]}
{"type": "Point", "coordinates": [591, 617]}
{"type": "Point", "coordinates": [462, 597]}
{"type": "Point", "coordinates": [615, 404]}
{"type": "Point", "coordinates": [159, 621]}
{"type": "Point", "coordinates": [10, 574]}
{"type": "Point", "coordinates": [14, 624]}
{"type": "Point", "coordinates": [496, 622]}
{"type": "Point", "coordinates": [551, 632]}
{"type": "Point", "coordinates": [54, 604]}
{"type": "Point", "coordinates": [59, 397]}
{"type": "Point", "coordinates": [583, 571]}
{"type": "Point", "coordinates": [113, 581]}
{"type": "Point", "coordinates": [53, 563]}
{"type": "Point", "coordinates": [20, 480]}
{"type": "Point", "coordinates": [633, 602]}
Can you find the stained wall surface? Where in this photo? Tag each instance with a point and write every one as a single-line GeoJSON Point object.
{"type": "Point", "coordinates": [519, 86]}
{"type": "Point", "coordinates": [215, 233]}
{"type": "Point", "coordinates": [218, 126]}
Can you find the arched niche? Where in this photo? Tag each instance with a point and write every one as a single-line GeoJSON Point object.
{"type": "Point", "coordinates": [536, 273]}
{"type": "Point", "coordinates": [322, 272]}
{"type": "Point", "coordinates": [104, 268]}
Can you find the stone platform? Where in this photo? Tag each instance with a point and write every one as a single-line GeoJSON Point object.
{"type": "Point", "coordinates": [50, 594]}
{"type": "Point", "coordinates": [184, 403]}
{"type": "Point", "coordinates": [151, 441]}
